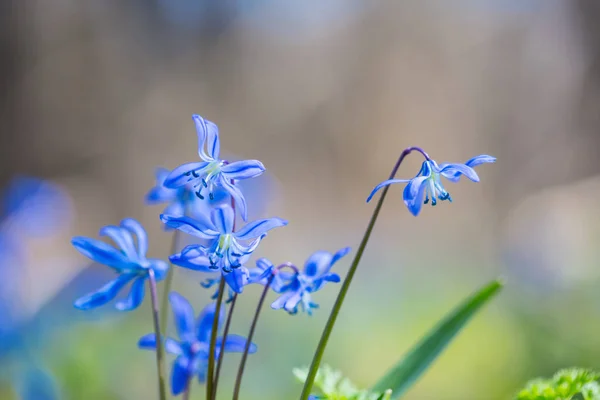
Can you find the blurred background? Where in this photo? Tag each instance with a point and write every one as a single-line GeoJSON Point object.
{"type": "Point", "coordinates": [95, 94]}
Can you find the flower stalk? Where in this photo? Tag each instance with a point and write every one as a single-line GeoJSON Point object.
{"type": "Point", "coordinates": [223, 341]}
{"type": "Point", "coordinates": [164, 307]}
{"type": "Point", "coordinates": [312, 372]}
{"type": "Point", "coordinates": [160, 353]}
{"type": "Point", "coordinates": [263, 296]}
{"type": "Point", "coordinates": [213, 343]}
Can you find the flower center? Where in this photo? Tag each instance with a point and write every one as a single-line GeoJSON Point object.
{"type": "Point", "coordinates": [224, 255]}
{"type": "Point", "coordinates": [435, 190]}
{"type": "Point", "coordinates": [209, 176]}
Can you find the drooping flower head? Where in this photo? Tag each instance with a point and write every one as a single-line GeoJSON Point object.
{"type": "Point", "coordinates": [428, 182]}
{"type": "Point", "coordinates": [213, 172]}
{"type": "Point", "coordinates": [129, 261]}
{"type": "Point", "coordinates": [296, 288]}
{"type": "Point", "coordinates": [226, 250]}
{"type": "Point", "coordinates": [193, 347]}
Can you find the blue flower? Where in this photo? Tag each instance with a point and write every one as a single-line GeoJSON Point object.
{"type": "Point", "coordinates": [296, 288]}
{"type": "Point", "coordinates": [428, 182]}
{"type": "Point", "coordinates": [193, 348]}
{"type": "Point", "coordinates": [213, 172]}
{"type": "Point", "coordinates": [224, 252]}
{"type": "Point", "coordinates": [129, 262]}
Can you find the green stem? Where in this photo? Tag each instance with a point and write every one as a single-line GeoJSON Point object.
{"type": "Point", "coordinates": [160, 353]}
{"type": "Point", "coordinates": [238, 381]}
{"type": "Point", "coordinates": [164, 306]}
{"type": "Point", "coordinates": [223, 340]}
{"type": "Point", "coordinates": [213, 342]}
{"type": "Point", "coordinates": [312, 373]}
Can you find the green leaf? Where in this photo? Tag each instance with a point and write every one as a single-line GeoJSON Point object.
{"type": "Point", "coordinates": [410, 368]}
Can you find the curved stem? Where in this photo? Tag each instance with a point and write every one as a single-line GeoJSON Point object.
{"type": "Point", "coordinates": [213, 342]}
{"type": "Point", "coordinates": [164, 306]}
{"type": "Point", "coordinates": [221, 356]}
{"type": "Point", "coordinates": [312, 372]}
{"type": "Point", "coordinates": [160, 354]}
{"type": "Point", "coordinates": [238, 380]}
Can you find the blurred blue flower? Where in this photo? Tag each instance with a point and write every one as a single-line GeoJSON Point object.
{"type": "Point", "coordinates": [34, 207]}
{"type": "Point", "coordinates": [296, 288]}
{"type": "Point", "coordinates": [29, 208]}
{"type": "Point", "coordinates": [193, 348]}
{"type": "Point", "coordinates": [224, 252]}
{"type": "Point", "coordinates": [36, 383]}
{"type": "Point", "coordinates": [428, 182]}
{"type": "Point", "coordinates": [129, 261]}
{"type": "Point", "coordinates": [182, 200]}
{"type": "Point", "coordinates": [213, 172]}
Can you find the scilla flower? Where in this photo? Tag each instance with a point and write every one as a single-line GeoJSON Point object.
{"type": "Point", "coordinates": [213, 172]}
{"type": "Point", "coordinates": [428, 182]}
{"type": "Point", "coordinates": [298, 286]}
{"type": "Point", "coordinates": [129, 261]}
{"type": "Point", "coordinates": [226, 250]}
{"type": "Point", "coordinates": [192, 349]}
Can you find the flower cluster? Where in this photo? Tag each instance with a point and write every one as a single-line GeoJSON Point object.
{"type": "Point", "coordinates": [203, 199]}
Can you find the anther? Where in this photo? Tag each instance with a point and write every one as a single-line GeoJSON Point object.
{"type": "Point", "coordinates": [195, 174]}
{"type": "Point", "coordinates": [199, 195]}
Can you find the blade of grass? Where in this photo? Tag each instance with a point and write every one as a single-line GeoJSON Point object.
{"type": "Point", "coordinates": [406, 372]}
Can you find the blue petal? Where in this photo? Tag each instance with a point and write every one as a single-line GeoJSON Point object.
{"type": "Point", "coordinates": [257, 228]}
{"type": "Point", "coordinates": [176, 209]}
{"type": "Point", "coordinates": [318, 264]}
{"type": "Point", "coordinates": [160, 194]}
{"type": "Point", "coordinates": [223, 218]}
{"type": "Point", "coordinates": [205, 322]}
{"type": "Point", "coordinates": [191, 226]}
{"type": "Point", "coordinates": [135, 297]}
{"type": "Point", "coordinates": [236, 194]}
{"type": "Point", "coordinates": [138, 230]}
{"type": "Point", "coordinates": [123, 239]}
{"type": "Point", "coordinates": [236, 279]}
{"type": "Point", "coordinates": [318, 283]}
{"type": "Point", "coordinates": [102, 253]}
{"type": "Point", "coordinates": [484, 158]}
{"type": "Point", "coordinates": [243, 169]}
{"type": "Point", "coordinates": [180, 375]}
{"type": "Point", "coordinates": [105, 294]}
{"type": "Point", "coordinates": [287, 301]}
{"type": "Point", "coordinates": [383, 184]}
{"type": "Point", "coordinates": [182, 175]}
{"type": "Point", "coordinates": [148, 342]}
{"type": "Point", "coordinates": [451, 170]}
{"type": "Point", "coordinates": [413, 194]}
{"type": "Point", "coordinates": [237, 344]}
{"type": "Point", "coordinates": [208, 134]}
{"type": "Point", "coordinates": [184, 317]}
{"type": "Point", "coordinates": [339, 254]}
{"type": "Point", "coordinates": [193, 259]}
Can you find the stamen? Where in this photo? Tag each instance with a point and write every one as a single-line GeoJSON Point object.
{"type": "Point", "coordinates": [196, 175]}
{"type": "Point", "coordinates": [199, 195]}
